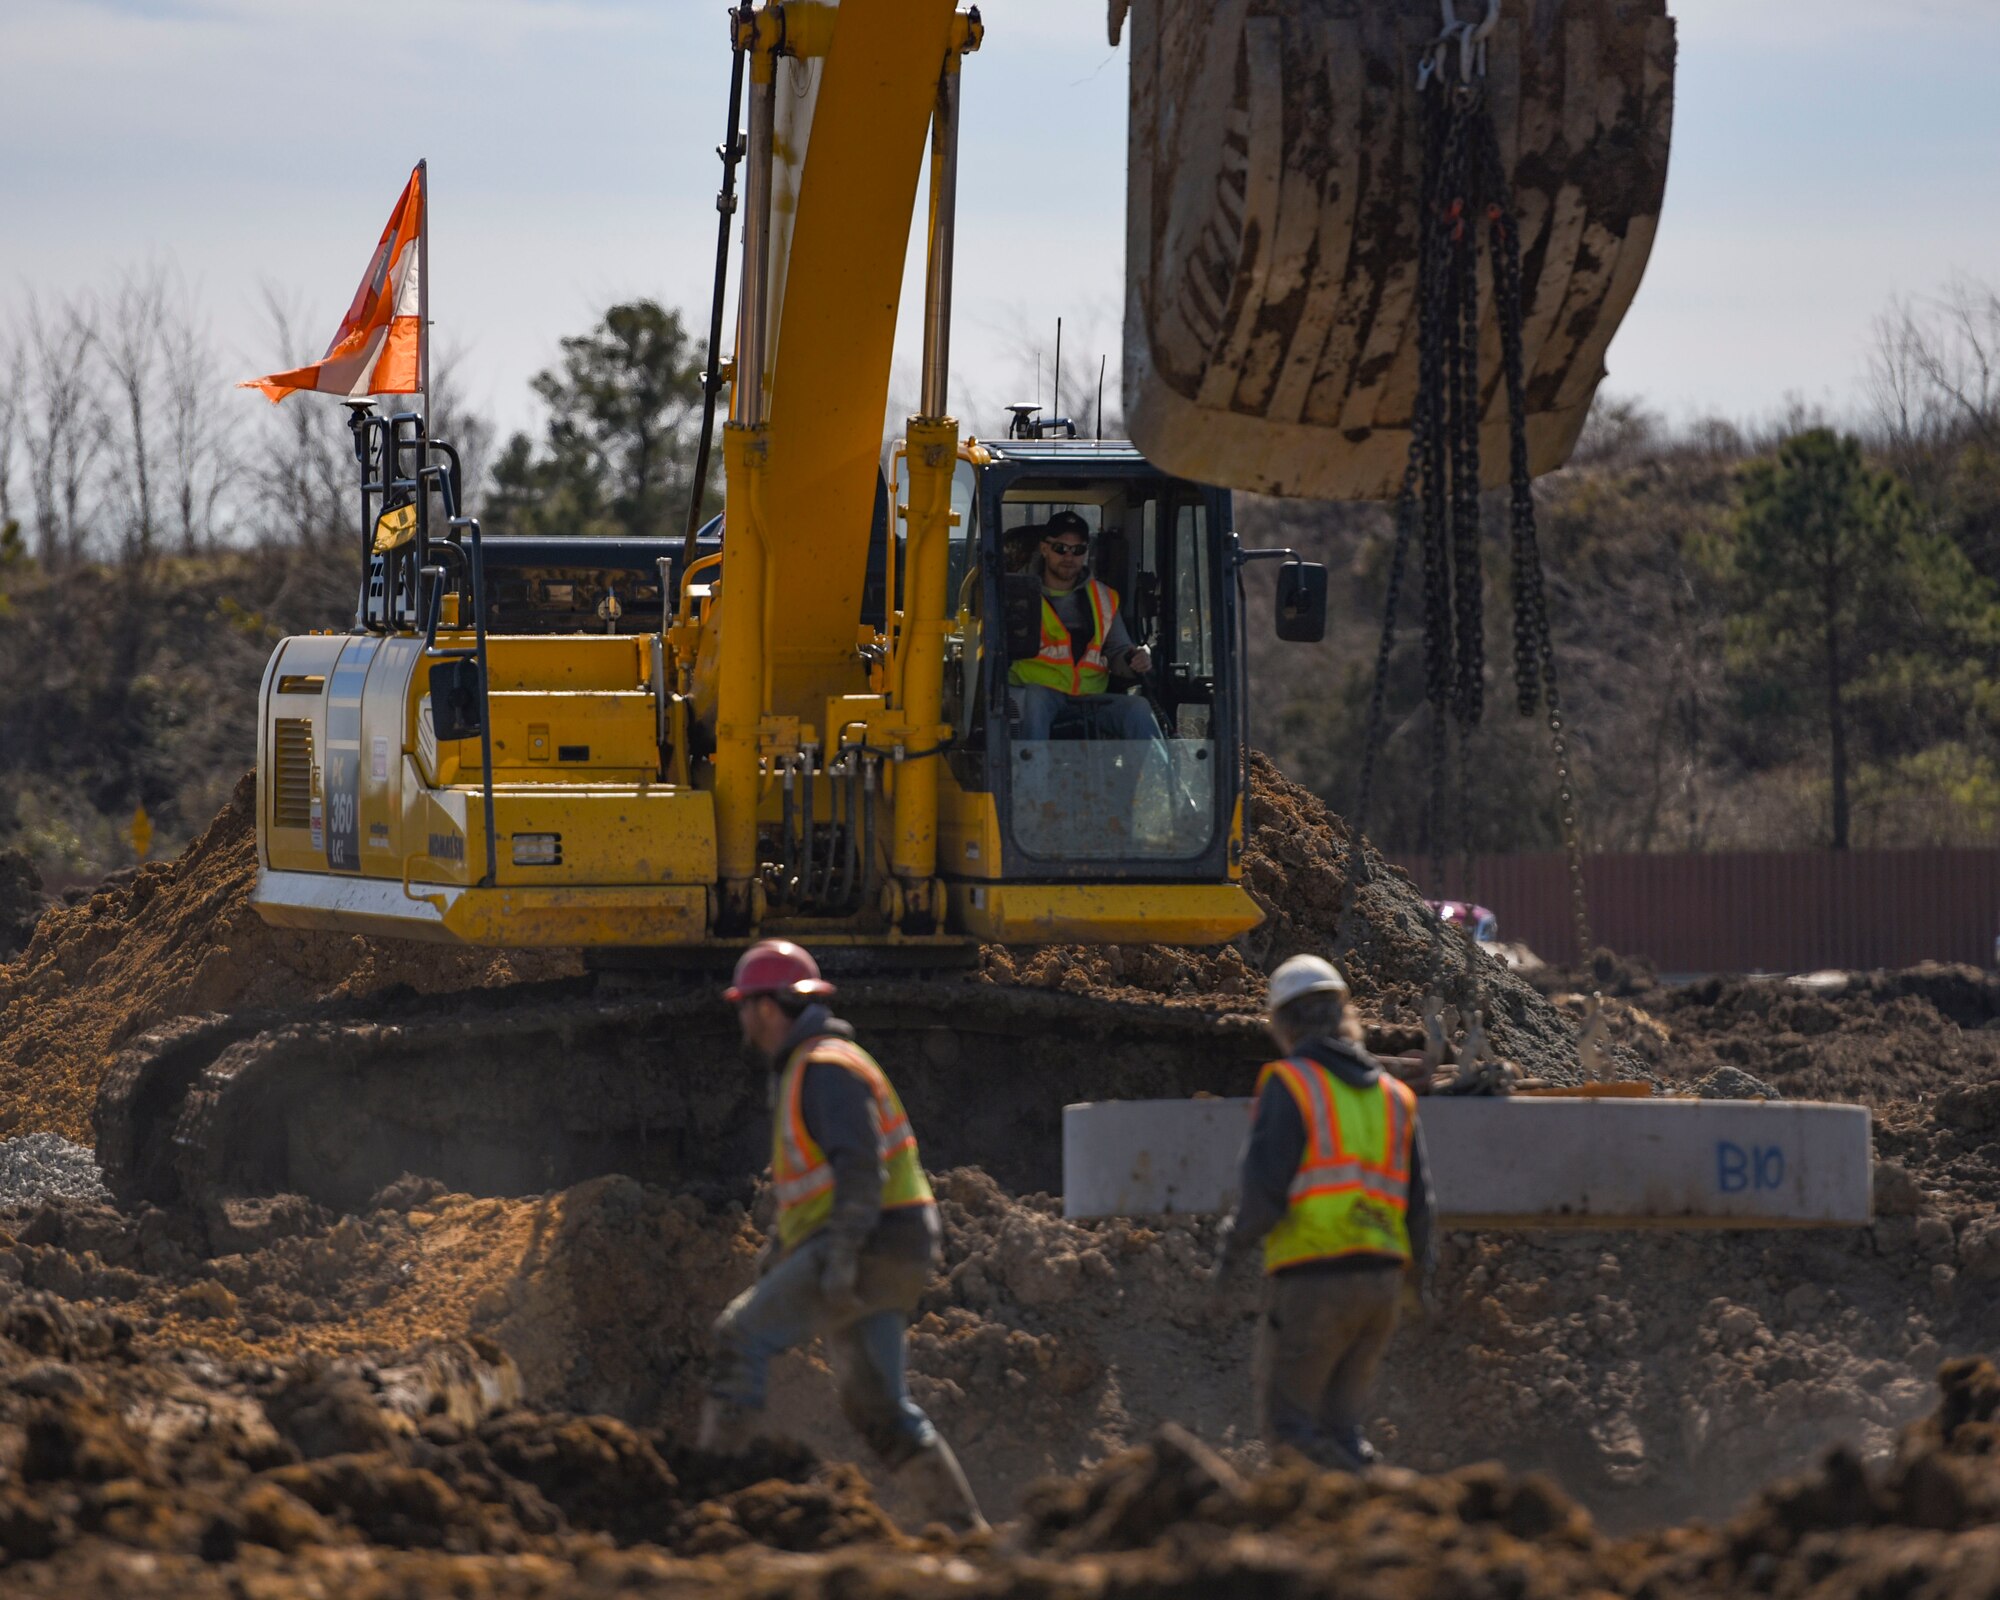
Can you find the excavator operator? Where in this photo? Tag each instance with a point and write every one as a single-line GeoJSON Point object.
{"type": "Point", "coordinates": [1084, 645]}
{"type": "Point", "coordinates": [857, 1235]}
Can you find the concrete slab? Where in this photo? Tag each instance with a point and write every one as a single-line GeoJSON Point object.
{"type": "Point", "coordinates": [1517, 1163]}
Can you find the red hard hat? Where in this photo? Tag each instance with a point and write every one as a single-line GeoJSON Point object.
{"type": "Point", "coordinates": [776, 966]}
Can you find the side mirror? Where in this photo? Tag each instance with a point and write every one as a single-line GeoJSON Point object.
{"type": "Point", "coordinates": [1302, 602]}
{"type": "Point", "coordinates": [455, 700]}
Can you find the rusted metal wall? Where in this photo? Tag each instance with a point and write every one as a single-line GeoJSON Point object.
{"type": "Point", "coordinates": [1774, 911]}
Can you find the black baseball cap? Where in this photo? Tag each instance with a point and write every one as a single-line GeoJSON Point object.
{"type": "Point", "coordinates": [1066, 522]}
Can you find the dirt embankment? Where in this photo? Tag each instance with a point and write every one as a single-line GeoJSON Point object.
{"type": "Point", "coordinates": [178, 939]}
{"type": "Point", "coordinates": [1654, 1376]}
{"type": "Point", "coordinates": [1297, 863]}
{"type": "Point", "coordinates": [132, 1473]}
{"type": "Point", "coordinates": [1657, 1376]}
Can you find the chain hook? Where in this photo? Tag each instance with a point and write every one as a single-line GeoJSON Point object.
{"type": "Point", "coordinates": [1470, 37]}
{"type": "Point", "coordinates": [1472, 62]}
{"type": "Point", "coordinates": [1431, 63]}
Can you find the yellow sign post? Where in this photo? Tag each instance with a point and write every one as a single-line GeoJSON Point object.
{"type": "Point", "coordinates": [141, 833]}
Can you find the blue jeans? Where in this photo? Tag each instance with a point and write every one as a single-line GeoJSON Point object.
{"type": "Point", "coordinates": [864, 1344]}
{"type": "Point", "coordinates": [1115, 716]}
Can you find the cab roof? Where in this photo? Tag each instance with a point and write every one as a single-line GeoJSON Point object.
{"type": "Point", "coordinates": [1065, 453]}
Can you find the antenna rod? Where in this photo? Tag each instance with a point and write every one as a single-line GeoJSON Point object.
{"type": "Point", "coordinates": [1055, 400]}
{"type": "Point", "coordinates": [1102, 362]}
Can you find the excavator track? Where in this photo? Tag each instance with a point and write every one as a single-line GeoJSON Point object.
{"type": "Point", "coordinates": [501, 1093]}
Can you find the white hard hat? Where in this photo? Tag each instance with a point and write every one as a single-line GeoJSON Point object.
{"type": "Point", "coordinates": [1301, 976]}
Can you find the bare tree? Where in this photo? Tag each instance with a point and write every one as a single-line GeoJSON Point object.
{"type": "Point", "coordinates": [133, 354]}
{"type": "Point", "coordinates": [304, 488]}
{"type": "Point", "coordinates": [1620, 431]}
{"type": "Point", "coordinates": [201, 465]}
{"type": "Point", "coordinates": [65, 427]}
{"type": "Point", "coordinates": [1934, 381]}
{"type": "Point", "coordinates": [1935, 372]}
{"type": "Point", "coordinates": [450, 418]}
{"type": "Point", "coordinates": [13, 388]}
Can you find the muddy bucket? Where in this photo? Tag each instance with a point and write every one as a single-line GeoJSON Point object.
{"type": "Point", "coordinates": [1274, 184]}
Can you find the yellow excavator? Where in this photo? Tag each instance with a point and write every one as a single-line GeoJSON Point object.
{"type": "Point", "coordinates": [799, 718]}
{"type": "Point", "coordinates": [746, 749]}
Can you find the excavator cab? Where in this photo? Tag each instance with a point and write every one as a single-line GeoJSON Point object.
{"type": "Point", "coordinates": [1141, 783]}
{"type": "Point", "coordinates": [1137, 780]}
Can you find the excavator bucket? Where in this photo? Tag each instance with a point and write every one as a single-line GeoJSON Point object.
{"type": "Point", "coordinates": [1274, 212]}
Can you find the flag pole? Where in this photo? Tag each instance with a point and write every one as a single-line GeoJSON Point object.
{"type": "Point", "coordinates": [424, 286]}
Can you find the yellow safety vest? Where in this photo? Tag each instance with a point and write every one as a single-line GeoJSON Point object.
{"type": "Point", "coordinates": [1056, 665]}
{"type": "Point", "coordinates": [803, 1175]}
{"type": "Point", "coordinates": [1351, 1194]}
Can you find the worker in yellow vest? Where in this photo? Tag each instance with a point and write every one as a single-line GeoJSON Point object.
{"type": "Point", "coordinates": [1084, 645]}
{"type": "Point", "coordinates": [1333, 1187]}
{"type": "Point", "coordinates": [857, 1235]}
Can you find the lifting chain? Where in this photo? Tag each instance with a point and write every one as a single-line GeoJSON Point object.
{"type": "Point", "coordinates": [1465, 184]}
{"type": "Point", "coordinates": [1534, 648]}
{"type": "Point", "coordinates": [1441, 483]}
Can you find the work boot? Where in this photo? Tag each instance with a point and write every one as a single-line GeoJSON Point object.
{"type": "Point", "coordinates": [936, 1482]}
{"type": "Point", "coordinates": [727, 1429]}
{"type": "Point", "coordinates": [1349, 1450]}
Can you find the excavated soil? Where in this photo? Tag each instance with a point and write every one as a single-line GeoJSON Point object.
{"type": "Point", "coordinates": [443, 1394]}
{"type": "Point", "coordinates": [1298, 864]}
{"type": "Point", "coordinates": [175, 1425]}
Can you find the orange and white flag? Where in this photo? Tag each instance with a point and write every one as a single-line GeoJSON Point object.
{"type": "Point", "coordinates": [380, 346]}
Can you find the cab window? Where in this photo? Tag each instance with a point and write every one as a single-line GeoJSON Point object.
{"type": "Point", "coordinates": [1105, 766]}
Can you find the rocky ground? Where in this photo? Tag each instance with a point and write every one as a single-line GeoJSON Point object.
{"type": "Point", "coordinates": [448, 1394]}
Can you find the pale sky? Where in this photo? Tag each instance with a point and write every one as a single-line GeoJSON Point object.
{"type": "Point", "coordinates": [1828, 154]}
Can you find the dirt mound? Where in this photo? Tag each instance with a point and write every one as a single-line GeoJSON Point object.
{"type": "Point", "coordinates": [1167, 1516]}
{"type": "Point", "coordinates": [180, 939]}
{"type": "Point", "coordinates": [1882, 1039]}
{"type": "Point", "coordinates": [204, 1459]}
{"type": "Point", "coordinates": [1050, 1343]}
{"type": "Point", "coordinates": [132, 1473]}
{"type": "Point", "coordinates": [1297, 862]}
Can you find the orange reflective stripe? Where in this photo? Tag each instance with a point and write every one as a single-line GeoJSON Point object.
{"type": "Point", "coordinates": [1402, 1121]}
{"type": "Point", "coordinates": [797, 1191]}
{"type": "Point", "coordinates": [1308, 1095]}
{"type": "Point", "coordinates": [893, 1134]}
{"type": "Point", "coordinates": [1060, 655]}
{"type": "Point", "coordinates": [1328, 1166]}
{"type": "Point", "coordinates": [1339, 1180]}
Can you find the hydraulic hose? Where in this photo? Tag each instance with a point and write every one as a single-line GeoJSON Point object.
{"type": "Point", "coordinates": [731, 151]}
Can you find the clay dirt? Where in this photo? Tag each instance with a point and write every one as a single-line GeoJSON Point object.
{"type": "Point", "coordinates": [435, 1392]}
